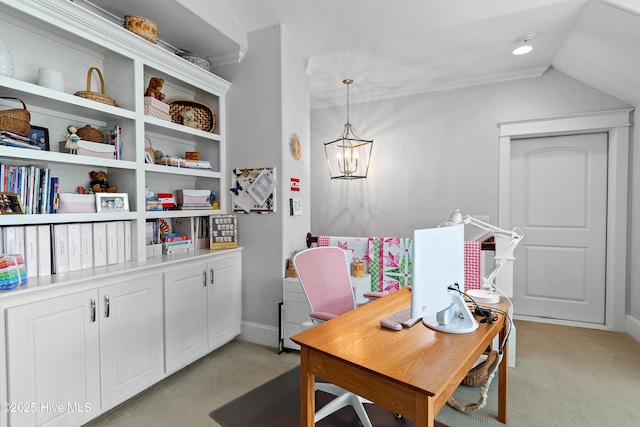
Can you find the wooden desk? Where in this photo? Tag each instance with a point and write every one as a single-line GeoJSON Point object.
{"type": "Point", "coordinates": [412, 372]}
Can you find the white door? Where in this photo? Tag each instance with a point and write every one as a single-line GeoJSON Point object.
{"type": "Point", "coordinates": [185, 311]}
{"type": "Point", "coordinates": [131, 347]}
{"type": "Point", "coordinates": [559, 200]}
{"type": "Point", "coordinates": [53, 361]}
{"type": "Point", "coordinates": [224, 300]}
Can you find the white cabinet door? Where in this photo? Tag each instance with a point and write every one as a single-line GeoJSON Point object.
{"type": "Point", "coordinates": [53, 360]}
{"type": "Point", "coordinates": [185, 306]}
{"type": "Point", "coordinates": [130, 316]}
{"type": "Point", "coordinates": [225, 300]}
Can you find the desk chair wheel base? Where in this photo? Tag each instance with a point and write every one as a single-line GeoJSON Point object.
{"type": "Point", "coordinates": [343, 398]}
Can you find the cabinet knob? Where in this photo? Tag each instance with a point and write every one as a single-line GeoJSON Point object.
{"type": "Point", "coordinates": [93, 310]}
{"type": "Point", "coordinates": [107, 307]}
{"type": "Point", "coordinates": [204, 279]}
{"type": "Point", "coordinates": [212, 275]}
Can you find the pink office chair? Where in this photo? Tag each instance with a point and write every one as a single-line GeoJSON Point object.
{"type": "Point", "coordinates": [324, 274]}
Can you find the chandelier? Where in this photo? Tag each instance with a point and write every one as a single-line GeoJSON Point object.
{"type": "Point", "coordinates": [348, 156]}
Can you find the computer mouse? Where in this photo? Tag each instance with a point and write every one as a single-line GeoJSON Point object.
{"type": "Point", "coordinates": [390, 324]}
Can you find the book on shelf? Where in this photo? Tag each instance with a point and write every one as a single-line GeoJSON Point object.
{"type": "Point", "coordinates": [196, 164]}
{"type": "Point", "coordinates": [170, 250]}
{"type": "Point", "coordinates": [35, 186]}
{"type": "Point", "coordinates": [113, 136]}
{"type": "Point", "coordinates": [195, 206]}
{"type": "Point", "coordinates": [176, 238]}
{"type": "Point", "coordinates": [166, 200]}
{"type": "Point", "coordinates": [154, 205]}
{"type": "Point", "coordinates": [13, 140]}
{"type": "Point", "coordinates": [182, 163]}
{"type": "Point", "coordinates": [177, 242]}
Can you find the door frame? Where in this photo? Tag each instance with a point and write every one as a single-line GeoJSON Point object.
{"type": "Point", "coordinates": [616, 124]}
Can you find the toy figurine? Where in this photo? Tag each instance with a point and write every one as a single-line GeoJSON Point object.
{"type": "Point", "coordinates": [153, 90]}
{"type": "Point", "coordinates": [189, 119]}
{"type": "Point", "coordinates": [99, 182]}
{"type": "Point", "coordinates": [72, 139]}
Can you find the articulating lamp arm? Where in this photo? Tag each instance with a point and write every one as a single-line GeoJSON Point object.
{"type": "Point", "coordinates": [515, 235]}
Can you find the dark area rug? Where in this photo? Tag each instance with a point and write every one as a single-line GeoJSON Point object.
{"type": "Point", "coordinates": [277, 403]}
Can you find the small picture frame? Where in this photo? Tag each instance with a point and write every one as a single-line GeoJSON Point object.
{"type": "Point", "coordinates": [40, 136]}
{"type": "Point", "coordinates": [10, 203]}
{"type": "Point", "coordinates": [112, 202]}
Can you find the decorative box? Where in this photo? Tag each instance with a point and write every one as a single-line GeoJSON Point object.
{"type": "Point", "coordinates": [223, 232]}
{"type": "Point", "coordinates": [187, 197]}
{"type": "Point", "coordinates": [156, 108]}
{"type": "Point", "coordinates": [76, 203]}
{"type": "Point", "coordinates": [92, 149]}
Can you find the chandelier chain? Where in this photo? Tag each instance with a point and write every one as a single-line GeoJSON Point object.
{"type": "Point", "coordinates": [348, 103]}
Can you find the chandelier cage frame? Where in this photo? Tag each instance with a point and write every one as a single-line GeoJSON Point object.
{"type": "Point", "coordinates": [348, 156]}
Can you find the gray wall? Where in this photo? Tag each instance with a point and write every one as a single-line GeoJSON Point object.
{"type": "Point", "coordinates": [438, 151]}
{"type": "Point", "coordinates": [432, 153]}
{"type": "Point", "coordinates": [267, 102]}
{"type": "Point", "coordinates": [633, 320]}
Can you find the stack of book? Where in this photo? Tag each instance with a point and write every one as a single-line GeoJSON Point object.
{"type": "Point", "coordinates": [14, 140]}
{"type": "Point", "coordinates": [175, 243]}
{"type": "Point", "coordinates": [194, 199]}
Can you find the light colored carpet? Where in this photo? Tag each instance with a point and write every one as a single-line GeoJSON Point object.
{"type": "Point", "coordinates": [565, 376]}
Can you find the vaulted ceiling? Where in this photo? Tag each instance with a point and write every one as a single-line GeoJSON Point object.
{"type": "Point", "coordinates": [398, 48]}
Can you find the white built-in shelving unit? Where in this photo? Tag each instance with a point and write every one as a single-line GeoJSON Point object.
{"type": "Point", "coordinates": [74, 345]}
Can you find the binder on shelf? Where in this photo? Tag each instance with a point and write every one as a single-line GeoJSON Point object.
{"type": "Point", "coordinates": [73, 233]}
{"type": "Point", "coordinates": [20, 240]}
{"type": "Point", "coordinates": [31, 250]}
{"type": "Point", "coordinates": [112, 243]}
{"type": "Point", "coordinates": [86, 245]}
{"type": "Point", "coordinates": [44, 250]}
{"type": "Point", "coordinates": [60, 248]}
{"type": "Point", "coordinates": [120, 241]}
{"type": "Point", "coordinates": [14, 240]}
{"type": "Point", "coordinates": [127, 241]}
{"type": "Point", "coordinates": [99, 244]}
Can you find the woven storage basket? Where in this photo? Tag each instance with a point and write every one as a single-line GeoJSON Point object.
{"type": "Point", "coordinates": [16, 120]}
{"type": "Point", "coordinates": [90, 134]}
{"type": "Point", "coordinates": [95, 96]}
{"type": "Point", "coordinates": [199, 61]}
{"type": "Point", "coordinates": [145, 28]}
{"type": "Point", "coordinates": [204, 114]}
{"type": "Point", "coordinates": [480, 374]}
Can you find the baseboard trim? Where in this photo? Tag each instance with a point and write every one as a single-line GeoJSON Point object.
{"type": "Point", "coordinates": [562, 322]}
{"type": "Point", "coordinates": [260, 334]}
{"type": "Point", "coordinates": [632, 326]}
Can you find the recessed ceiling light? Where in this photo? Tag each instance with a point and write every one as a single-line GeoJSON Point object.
{"type": "Point", "coordinates": [522, 50]}
{"type": "Point", "coordinates": [524, 45]}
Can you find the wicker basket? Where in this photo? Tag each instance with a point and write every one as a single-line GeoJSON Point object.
{"type": "Point", "coordinates": [16, 120]}
{"type": "Point", "coordinates": [90, 134]}
{"type": "Point", "coordinates": [203, 113]}
{"type": "Point", "coordinates": [95, 96]}
{"type": "Point", "coordinates": [145, 28]}
{"type": "Point", "coordinates": [480, 374]}
{"type": "Point", "coordinates": [199, 61]}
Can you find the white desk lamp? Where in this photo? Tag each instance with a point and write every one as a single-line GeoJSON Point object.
{"type": "Point", "coordinates": [487, 293]}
